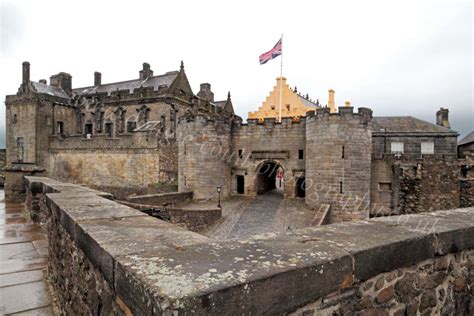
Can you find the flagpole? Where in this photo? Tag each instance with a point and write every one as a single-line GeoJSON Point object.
{"type": "Point", "coordinates": [281, 79]}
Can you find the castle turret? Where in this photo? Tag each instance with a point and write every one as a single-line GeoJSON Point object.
{"type": "Point", "coordinates": [204, 150]}
{"type": "Point", "coordinates": [338, 162]}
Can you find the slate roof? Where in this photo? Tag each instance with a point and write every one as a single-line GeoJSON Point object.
{"type": "Point", "coordinates": [156, 81]}
{"type": "Point", "coordinates": [469, 138]}
{"type": "Point", "coordinates": [51, 90]}
{"type": "Point", "coordinates": [407, 124]}
{"type": "Point", "coordinates": [220, 104]}
{"type": "Point", "coordinates": [308, 103]}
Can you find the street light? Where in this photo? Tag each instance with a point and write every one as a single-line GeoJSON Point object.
{"type": "Point", "coordinates": [219, 189]}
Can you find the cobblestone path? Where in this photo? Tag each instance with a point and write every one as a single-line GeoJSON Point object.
{"type": "Point", "coordinates": [260, 216]}
{"type": "Point", "coordinates": [23, 259]}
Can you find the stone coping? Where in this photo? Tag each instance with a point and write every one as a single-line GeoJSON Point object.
{"type": "Point", "coordinates": [157, 267]}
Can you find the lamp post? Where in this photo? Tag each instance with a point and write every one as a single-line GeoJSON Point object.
{"type": "Point", "coordinates": [219, 188]}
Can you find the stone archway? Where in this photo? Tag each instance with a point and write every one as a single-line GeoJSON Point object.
{"type": "Point", "coordinates": [266, 178]}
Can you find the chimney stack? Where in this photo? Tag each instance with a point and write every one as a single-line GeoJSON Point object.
{"type": "Point", "coordinates": [205, 92]}
{"type": "Point", "coordinates": [62, 80]}
{"type": "Point", "coordinates": [97, 78]}
{"type": "Point", "coordinates": [146, 71]}
{"type": "Point", "coordinates": [442, 118]}
{"type": "Point", "coordinates": [26, 72]}
{"type": "Point", "coordinates": [331, 103]}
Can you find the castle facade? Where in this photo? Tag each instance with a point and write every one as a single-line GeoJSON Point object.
{"type": "Point", "coordinates": [153, 130]}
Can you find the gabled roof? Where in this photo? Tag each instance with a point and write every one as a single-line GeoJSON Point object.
{"type": "Point", "coordinates": [407, 124]}
{"type": "Point", "coordinates": [156, 81]}
{"type": "Point", "coordinates": [469, 138]}
{"type": "Point", "coordinates": [51, 90]}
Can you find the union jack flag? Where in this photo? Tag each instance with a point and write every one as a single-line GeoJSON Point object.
{"type": "Point", "coordinates": [272, 53]}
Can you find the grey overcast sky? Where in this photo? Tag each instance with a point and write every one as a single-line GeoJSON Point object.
{"type": "Point", "coordinates": [397, 57]}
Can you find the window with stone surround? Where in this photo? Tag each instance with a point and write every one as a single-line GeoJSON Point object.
{"type": "Point", "coordinates": [396, 147]}
{"type": "Point", "coordinates": [300, 154]}
{"type": "Point", "coordinates": [427, 148]}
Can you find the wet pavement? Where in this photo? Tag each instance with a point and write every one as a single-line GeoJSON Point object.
{"type": "Point", "coordinates": [23, 261]}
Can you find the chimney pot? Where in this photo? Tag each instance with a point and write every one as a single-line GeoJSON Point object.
{"type": "Point", "coordinates": [26, 72]}
{"type": "Point", "coordinates": [331, 103]}
{"type": "Point", "coordinates": [97, 78]}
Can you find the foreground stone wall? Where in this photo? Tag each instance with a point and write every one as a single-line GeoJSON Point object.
{"type": "Point", "coordinates": [106, 257]}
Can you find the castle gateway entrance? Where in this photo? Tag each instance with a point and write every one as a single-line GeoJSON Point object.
{"type": "Point", "coordinates": [269, 177]}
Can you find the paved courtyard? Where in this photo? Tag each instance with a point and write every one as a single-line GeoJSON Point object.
{"type": "Point", "coordinates": [23, 260]}
{"type": "Point", "coordinates": [268, 212]}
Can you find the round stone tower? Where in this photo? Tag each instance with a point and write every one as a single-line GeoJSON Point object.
{"type": "Point", "coordinates": [204, 150]}
{"type": "Point", "coordinates": [338, 162]}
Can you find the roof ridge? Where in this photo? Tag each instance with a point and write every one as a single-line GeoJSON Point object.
{"type": "Point", "coordinates": [169, 73]}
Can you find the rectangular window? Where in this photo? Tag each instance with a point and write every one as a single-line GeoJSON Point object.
{"type": "Point", "coordinates": [88, 129]}
{"type": "Point", "coordinates": [340, 187]}
{"type": "Point", "coordinates": [240, 153]}
{"type": "Point", "coordinates": [396, 147]}
{"type": "Point", "coordinates": [109, 127]}
{"type": "Point", "coordinates": [60, 128]}
{"type": "Point", "coordinates": [300, 154]}
{"type": "Point", "coordinates": [427, 148]}
{"type": "Point", "coordinates": [14, 119]}
{"type": "Point", "coordinates": [342, 152]}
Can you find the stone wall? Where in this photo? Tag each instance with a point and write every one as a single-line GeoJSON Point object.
{"type": "Point", "coordinates": [204, 151]}
{"type": "Point", "coordinates": [256, 142]}
{"type": "Point", "coordinates": [2, 164]}
{"type": "Point", "coordinates": [338, 165]}
{"type": "Point", "coordinates": [466, 196]}
{"type": "Point", "coordinates": [106, 257]}
{"type": "Point", "coordinates": [194, 219]}
{"type": "Point", "coordinates": [439, 286]}
{"type": "Point", "coordinates": [162, 199]}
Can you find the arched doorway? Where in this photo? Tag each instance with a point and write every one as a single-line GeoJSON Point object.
{"type": "Point", "coordinates": [267, 179]}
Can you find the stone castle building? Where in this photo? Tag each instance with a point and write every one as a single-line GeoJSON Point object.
{"type": "Point", "coordinates": [154, 130]}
